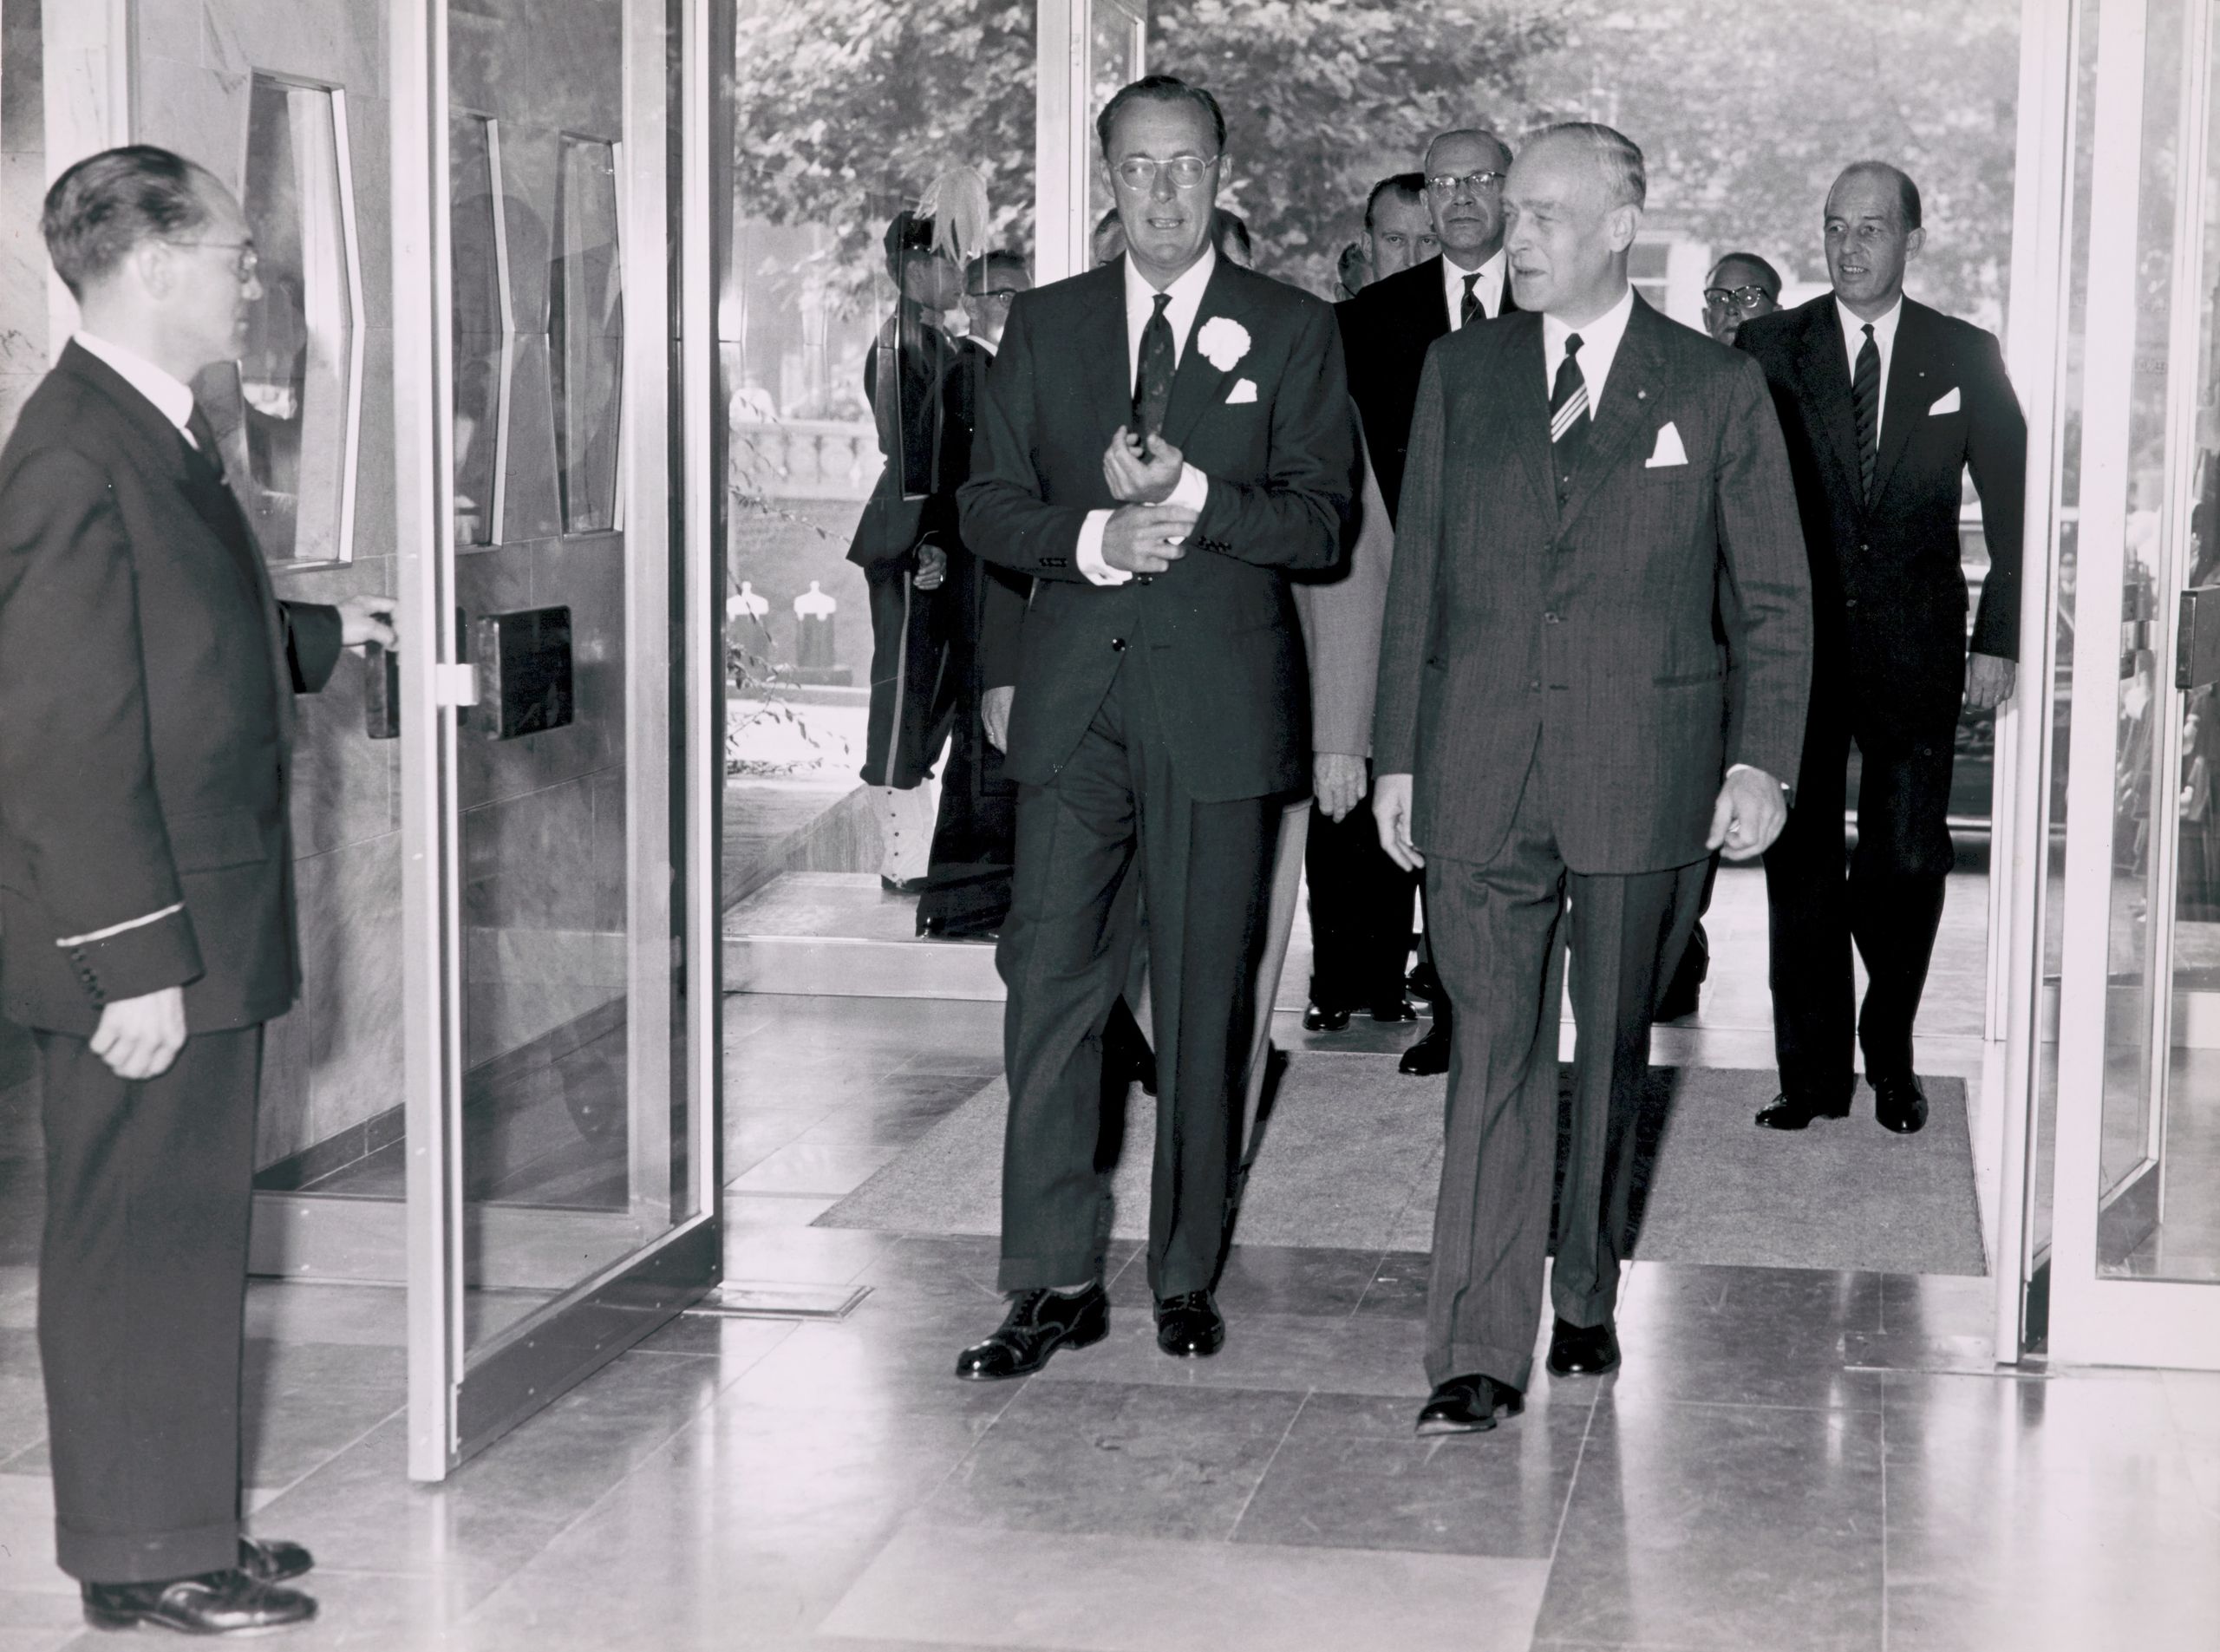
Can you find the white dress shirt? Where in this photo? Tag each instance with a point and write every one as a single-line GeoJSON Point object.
{"type": "Point", "coordinates": [172, 398]}
{"type": "Point", "coordinates": [1193, 489]}
{"type": "Point", "coordinates": [1599, 348]}
{"type": "Point", "coordinates": [1884, 339]}
{"type": "Point", "coordinates": [1489, 287]}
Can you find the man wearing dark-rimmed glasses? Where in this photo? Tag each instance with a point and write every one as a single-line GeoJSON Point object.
{"type": "Point", "coordinates": [1741, 286]}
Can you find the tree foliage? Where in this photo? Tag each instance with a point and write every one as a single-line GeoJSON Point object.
{"type": "Point", "coordinates": [1746, 116]}
{"type": "Point", "coordinates": [848, 107]}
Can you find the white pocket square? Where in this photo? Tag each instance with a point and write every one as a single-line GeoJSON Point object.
{"type": "Point", "coordinates": [1668, 450]}
{"type": "Point", "coordinates": [1242, 390]}
{"type": "Point", "coordinates": [1948, 403]}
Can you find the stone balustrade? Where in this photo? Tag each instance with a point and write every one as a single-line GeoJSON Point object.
{"type": "Point", "coordinates": [805, 459]}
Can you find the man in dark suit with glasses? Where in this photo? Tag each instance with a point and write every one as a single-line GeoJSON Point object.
{"type": "Point", "coordinates": [146, 906]}
{"type": "Point", "coordinates": [1163, 441]}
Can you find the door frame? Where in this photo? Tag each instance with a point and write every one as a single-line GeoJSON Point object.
{"type": "Point", "coordinates": [460, 1398]}
{"type": "Point", "coordinates": [1064, 142]}
{"type": "Point", "coordinates": [2094, 1318]}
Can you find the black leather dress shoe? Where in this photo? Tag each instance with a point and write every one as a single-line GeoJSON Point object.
{"type": "Point", "coordinates": [1430, 1055]}
{"type": "Point", "coordinates": [902, 885]}
{"type": "Point", "coordinates": [1469, 1405]}
{"type": "Point", "coordinates": [1395, 1010]}
{"type": "Point", "coordinates": [1319, 1018]}
{"type": "Point", "coordinates": [1795, 1112]}
{"type": "Point", "coordinates": [1899, 1104]}
{"type": "Point", "coordinates": [1190, 1327]}
{"type": "Point", "coordinates": [273, 1560]}
{"type": "Point", "coordinates": [1038, 1323]}
{"type": "Point", "coordinates": [216, 1602]}
{"type": "Point", "coordinates": [1583, 1350]}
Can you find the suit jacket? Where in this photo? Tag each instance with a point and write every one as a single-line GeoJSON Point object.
{"type": "Point", "coordinates": [1342, 614]}
{"type": "Point", "coordinates": [1889, 590]}
{"type": "Point", "coordinates": [1625, 649]}
{"type": "Point", "coordinates": [1387, 331]}
{"type": "Point", "coordinates": [914, 494]}
{"type": "Point", "coordinates": [1223, 659]}
{"type": "Point", "coordinates": [147, 682]}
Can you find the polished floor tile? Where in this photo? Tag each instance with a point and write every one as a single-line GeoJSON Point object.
{"type": "Point", "coordinates": [1723, 1527]}
{"type": "Point", "coordinates": [1134, 1594]}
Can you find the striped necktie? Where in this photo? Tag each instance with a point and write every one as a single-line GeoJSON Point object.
{"type": "Point", "coordinates": [1568, 415]}
{"type": "Point", "coordinates": [1865, 399]}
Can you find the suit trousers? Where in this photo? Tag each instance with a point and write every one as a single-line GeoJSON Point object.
{"type": "Point", "coordinates": [1889, 902]}
{"type": "Point", "coordinates": [141, 1298]}
{"type": "Point", "coordinates": [1496, 929]}
{"type": "Point", "coordinates": [1116, 808]}
{"type": "Point", "coordinates": [1360, 912]}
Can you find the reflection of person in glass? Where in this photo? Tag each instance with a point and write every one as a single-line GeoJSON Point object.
{"type": "Point", "coordinates": [968, 886]}
{"type": "Point", "coordinates": [900, 541]}
{"type": "Point", "coordinates": [148, 928]}
{"type": "Point", "coordinates": [1742, 285]}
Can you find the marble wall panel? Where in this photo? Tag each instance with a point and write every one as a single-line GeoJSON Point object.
{"type": "Point", "coordinates": [282, 1124]}
{"type": "Point", "coordinates": [528, 860]}
{"type": "Point", "coordinates": [374, 454]}
{"type": "Point", "coordinates": [351, 949]}
{"type": "Point", "coordinates": [611, 863]}
{"type": "Point", "coordinates": [559, 62]}
{"type": "Point", "coordinates": [370, 142]}
{"type": "Point", "coordinates": [22, 262]}
{"type": "Point", "coordinates": [199, 112]}
{"type": "Point", "coordinates": [341, 44]}
{"type": "Point", "coordinates": [23, 78]}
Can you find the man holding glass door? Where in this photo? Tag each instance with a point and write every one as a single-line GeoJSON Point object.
{"type": "Point", "coordinates": [146, 906]}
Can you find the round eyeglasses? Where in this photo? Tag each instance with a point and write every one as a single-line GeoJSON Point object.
{"type": "Point", "coordinates": [1736, 297]}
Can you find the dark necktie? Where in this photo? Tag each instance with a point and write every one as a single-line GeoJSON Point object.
{"type": "Point", "coordinates": [1568, 415]}
{"type": "Point", "coordinates": [1153, 384]}
{"type": "Point", "coordinates": [1472, 306]}
{"type": "Point", "coordinates": [1865, 399]}
{"type": "Point", "coordinates": [203, 439]}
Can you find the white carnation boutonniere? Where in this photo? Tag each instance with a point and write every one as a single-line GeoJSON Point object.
{"type": "Point", "coordinates": [1223, 342]}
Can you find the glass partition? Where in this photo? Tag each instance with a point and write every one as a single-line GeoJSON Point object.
{"type": "Point", "coordinates": [484, 328]}
{"type": "Point", "coordinates": [300, 369]}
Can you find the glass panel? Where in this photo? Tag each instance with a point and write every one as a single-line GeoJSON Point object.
{"type": "Point", "coordinates": [483, 330]}
{"type": "Point", "coordinates": [2127, 1190]}
{"type": "Point", "coordinates": [2069, 510]}
{"type": "Point", "coordinates": [830, 147]}
{"type": "Point", "coordinates": [585, 303]}
{"type": "Point", "coordinates": [1114, 60]}
{"type": "Point", "coordinates": [297, 370]}
{"type": "Point", "coordinates": [2185, 1243]}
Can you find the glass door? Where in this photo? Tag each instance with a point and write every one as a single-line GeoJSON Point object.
{"type": "Point", "coordinates": [2135, 1261]}
{"type": "Point", "coordinates": [1088, 49]}
{"type": "Point", "coordinates": [557, 722]}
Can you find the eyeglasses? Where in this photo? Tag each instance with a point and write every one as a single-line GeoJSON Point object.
{"type": "Point", "coordinates": [1736, 297]}
{"type": "Point", "coordinates": [994, 295]}
{"type": "Point", "coordinates": [249, 260]}
{"type": "Point", "coordinates": [1139, 172]}
{"type": "Point", "coordinates": [1478, 181]}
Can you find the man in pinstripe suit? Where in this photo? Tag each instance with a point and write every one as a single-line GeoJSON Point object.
{"type": "Point", "coordinates": [1596, 657]}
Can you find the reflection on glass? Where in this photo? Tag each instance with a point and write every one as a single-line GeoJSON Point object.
{"type": "Point", "coordinates": [483, 330]}
{"type": "Point", "coordinates": [1114, 60]}
{"type": "Point", "coordinates": [587, 330]}
{"type": "Point", "coordinates": [2134, 1078]}
{"type": "Point", "coordinates": [296, 372]}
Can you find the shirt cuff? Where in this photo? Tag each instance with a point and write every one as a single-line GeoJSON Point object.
{"type": "Point", "coordinates": [1193, 491]}
{"type": "Point", "coordinates": [1088, 552]}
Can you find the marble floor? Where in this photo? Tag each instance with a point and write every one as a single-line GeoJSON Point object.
{"type": "Point", "coordinates": [1788, 1460]}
